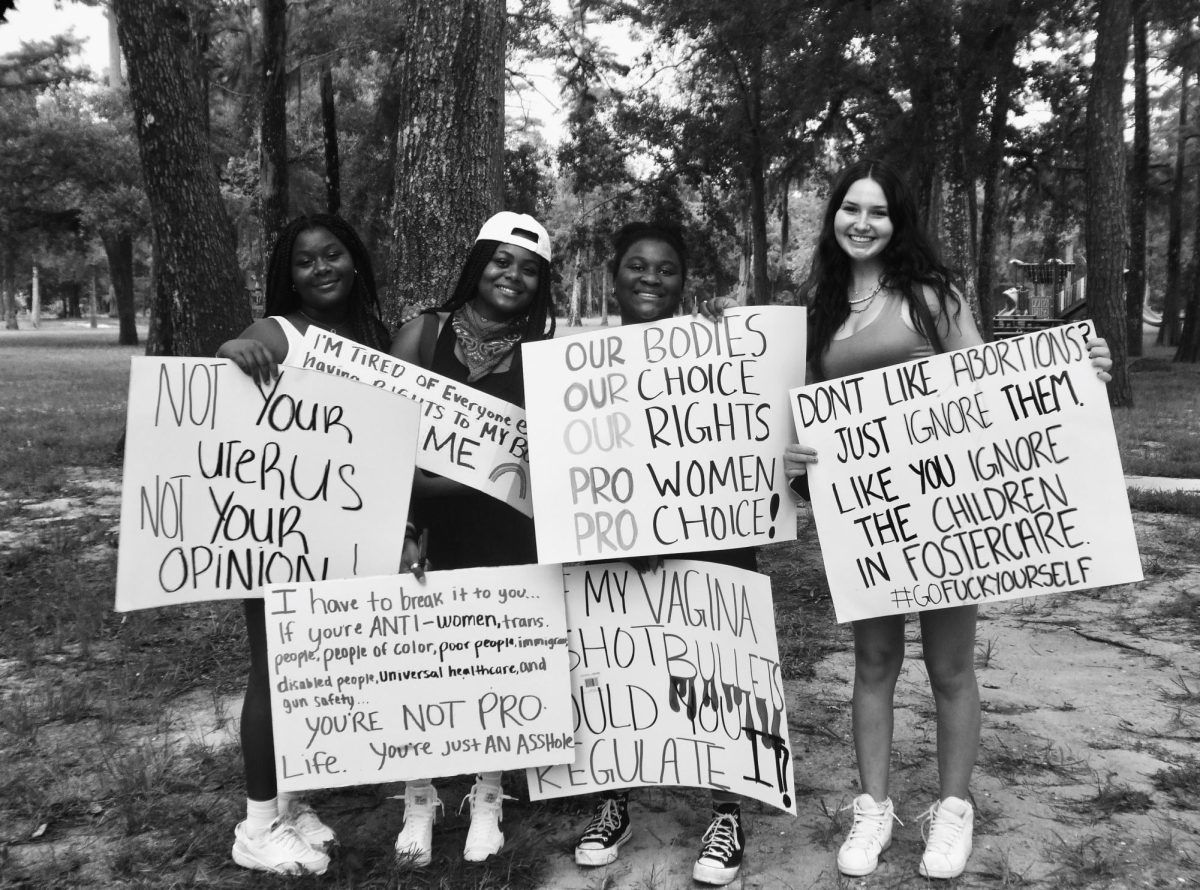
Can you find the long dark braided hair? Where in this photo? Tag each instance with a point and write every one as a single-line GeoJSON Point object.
{"type": "Point", "coordinates": [910, 261]}
{"type": "Point", "coordinates": [539, 320]}
{"type": "Point", "coordinates": [281, 296]}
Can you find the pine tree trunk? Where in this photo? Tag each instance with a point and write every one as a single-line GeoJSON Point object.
{"type": "Point", "coordinates": [199, 284]}
{"type": "Point", "coordinates": [1107, 204]}
{"type": "Point", "coordinates": [333, 168]}
{"type": "Point", "coordinates": [993, 168]}
{"type": "Point", "coordinates": [8, 286]}
{"type": "Point", "coordinates": [450, 148]}
{"type": "Point", "coordinates": [118, 247]}
{"type": "Point", "coordinates": [1189, 337]}
{"type": "Point", "coordinates": [573, 312]}
{"type": "Point", "coordinates": [272, 148]}
{"type": "Point", "coordinates": [1139, 184]}
{"type": "Point", "coordinates": [1168, 332]}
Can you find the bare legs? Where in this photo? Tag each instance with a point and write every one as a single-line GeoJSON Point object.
{"type": "Point", "coordinates": [948, 641]}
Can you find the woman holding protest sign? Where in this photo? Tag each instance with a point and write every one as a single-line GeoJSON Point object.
{"type": "Point", "coordinates": [878, 296]}
{"type": "Point", "coordinates": [319, 274]}
{"type": "Point", "coordinates": [501, 301]}
{"type": "Point", "coordinates": [649, 269]}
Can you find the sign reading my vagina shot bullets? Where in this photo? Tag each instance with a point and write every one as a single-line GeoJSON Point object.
{"type": "Point", "coordinates": [675, 680]}
{"type": "Point", "coordinates": [985, 474]}
{"type": "Point", "coordinates": [386, 679]}
{"type": "Point", "coordinates": [664, 438]}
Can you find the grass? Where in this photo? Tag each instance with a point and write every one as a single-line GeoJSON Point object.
{"type": "Point", "coordinates": [1160, 434]}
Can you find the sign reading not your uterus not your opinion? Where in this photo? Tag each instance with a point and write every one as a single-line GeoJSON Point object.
{"type": "Point", "coordinates": [386, 679]}
{"type": "Point", "coordinates": [664, 438]}
{"type": "Point", "coordinates": [466, 435]}
{"type": "Point", "coordinates": [985, 474]}
{"type": "Point", "coordinates": [675, 680]}
{"type": "Point", "coordinates": [229, 486]}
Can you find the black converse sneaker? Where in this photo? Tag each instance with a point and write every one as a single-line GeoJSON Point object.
{"type": "Point", "coordinates": [724, 842]}
{"type": "Point", "coordinates": [600, 843]}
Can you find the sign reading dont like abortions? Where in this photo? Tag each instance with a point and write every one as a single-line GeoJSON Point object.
{"type": "Point", "coordinates": [664, 438]}
{"type": "Point", "coordinates": [229, 487]}
{"type": "Point", "coordinates": [675, 680]}
{"type": "Point", "coordinates": [386, 679]}
{"type": "Point", "coordinates": [466, 435]}
{"type": "Point", "coordinates": [985, 474]}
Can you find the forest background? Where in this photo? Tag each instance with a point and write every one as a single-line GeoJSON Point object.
{"type": "Point", "coordinates": [1031, 130]}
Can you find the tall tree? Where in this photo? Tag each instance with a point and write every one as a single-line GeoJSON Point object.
{"type": "Point", "coordinates": [1139, 182]}
{"type": "Point", "coordinates": [1168, 332]}
{"type": "Point", "coordinates": [199, 291]}
{"type": "Point", "coordinates": [450, 150]}
{"type": "Point", "coordinates": [1107, 207]}
{"type": "Point", "coordinates": [272, 150]}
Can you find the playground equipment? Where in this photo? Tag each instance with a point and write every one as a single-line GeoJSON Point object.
{"type": "Point", "coordinates": [1040, 298]}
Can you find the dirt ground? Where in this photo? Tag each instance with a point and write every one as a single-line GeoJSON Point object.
{"type": "Point", "coordinates": [1086, 698]}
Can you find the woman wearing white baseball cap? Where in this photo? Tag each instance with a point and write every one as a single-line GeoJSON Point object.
{"type": "Point", "coordinates": [502, 300]}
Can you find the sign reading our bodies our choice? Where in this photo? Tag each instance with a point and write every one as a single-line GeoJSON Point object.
{"type": "Point", "coordinates": [984, 474]}
{"type": "Point", "coordinates": [229, 487]}
{"type": "Point", "coordinates": [664, 438]}
{"type": "Point", "coordinates": [466, 435]}
{"type": "Point", "coordinates": [675, 680]}
{"type": "Point", "coordinates": [386, 679]}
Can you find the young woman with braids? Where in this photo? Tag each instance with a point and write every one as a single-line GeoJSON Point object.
{"type": "Point", "coordinates": [502, 300]}
{"type": "Point", "coordinates": [319, 274]}
{"type": "Point", "coordinates": [878, 296]}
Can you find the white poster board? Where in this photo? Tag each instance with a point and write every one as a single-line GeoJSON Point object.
{"type": "Point", "coordinates": [986, 474]}
{"type": "Point", "coordinates": [229, 487]}
{"type": "Point", "coordinates": [386, 679]}
{"type": "Point", "coordinates": [664, 438]}
{"type": "Point", "coordinates": [466, 435]}
{"type": "Point", "coordinates": [675, 680]}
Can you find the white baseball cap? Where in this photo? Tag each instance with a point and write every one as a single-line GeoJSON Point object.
{"type": "Point", "coordinates": [520, 229]}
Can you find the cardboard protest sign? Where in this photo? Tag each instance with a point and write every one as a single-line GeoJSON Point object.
{"type": "Point", "coordinates": [466, 435]}
{"type": "Point", "coordinates": [664, 438]}
{"type": "Point", "coordinates": [385, 679]}
{"type": "Point", "coordinates": [984, 474]}
{"type": "Point", "coordinates": [229, 487]}
{"type": "Point", "coordinates": [674, 681]}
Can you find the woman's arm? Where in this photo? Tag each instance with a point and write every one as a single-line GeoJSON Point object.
{"type": "Point", "coordinates": [258, 350]}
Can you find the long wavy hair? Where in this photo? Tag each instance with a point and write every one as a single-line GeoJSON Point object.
{"type": "Point", "coordinates": [910, 261]}
{"type": "Point", "coordinates": [539, 320]}
{"type": "Point", "coordinates": [281, 297]}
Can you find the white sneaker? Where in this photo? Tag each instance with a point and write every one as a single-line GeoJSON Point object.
{"type": "Point", "coordinates": [869, 836]}
{"type": "Point", "coordinates": [280, 849]}
{"type": "Point", "coordinates": [311, 828]}
{"type": "Point", "coordinates": [415, 842]}
{"type": "Point", "coordinates": [484, 837]}
{"type": "Point", "coordinates": [948, 840]}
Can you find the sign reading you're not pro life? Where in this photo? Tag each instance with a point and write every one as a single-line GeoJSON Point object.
{"type": "Point", "coordinates": [466, 435]}
{"type": "Point", "coordinates": [664, 438]}
{"type": "Point", "coordinates": [229, 487]}
{"type": "Point", "coordinates": [989, 473]}
{"type": "Point", "coordinates": [387, 679]}
{"type": "Point", "coordinates": [675, 680]}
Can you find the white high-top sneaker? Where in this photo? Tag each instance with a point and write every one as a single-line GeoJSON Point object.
{"type": "Point", "coordinates": [414, 844]}
{"type": "Point", "coordinates": [484, 837]}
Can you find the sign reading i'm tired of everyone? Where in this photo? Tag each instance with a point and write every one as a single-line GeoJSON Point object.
{"type": "Point", "coordinates": [675, 680]}
{"type": "Point", "coordinates": [985, 474]}
{"type": "Point", "coordinates": [466, 435]}
{"type": "Point", "coordinates": [229, 487]}
{"type": "Point", "coordinates": [664, 438]}
{"type": "Point", "coordinates": [386, 679]}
